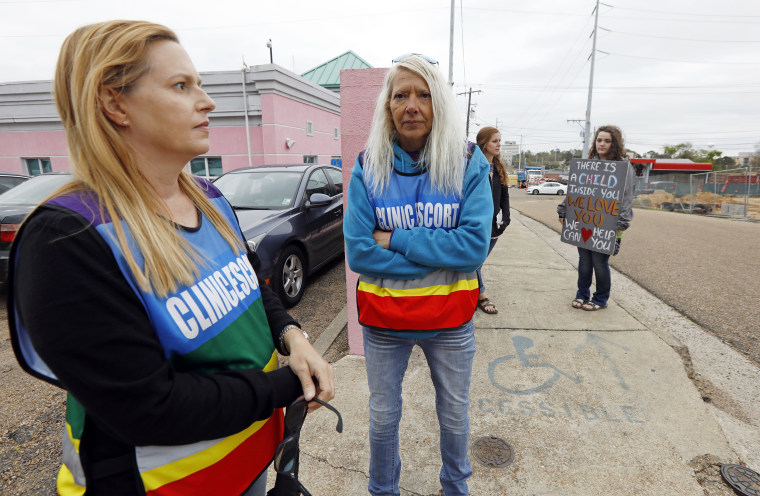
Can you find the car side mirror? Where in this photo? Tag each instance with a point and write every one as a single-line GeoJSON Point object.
{"type": "Point", "coordinates": [318, 200]}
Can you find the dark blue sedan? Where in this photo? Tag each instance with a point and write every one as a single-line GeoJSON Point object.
{"type": "Point", "coordinates": [292, 217]}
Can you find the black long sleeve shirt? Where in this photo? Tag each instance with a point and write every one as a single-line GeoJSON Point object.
{"type": "Point", "coordinates": [90, 328]}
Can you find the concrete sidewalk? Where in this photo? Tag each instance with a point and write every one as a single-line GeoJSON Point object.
{"type": "Point", "coordinates": [634, 399]}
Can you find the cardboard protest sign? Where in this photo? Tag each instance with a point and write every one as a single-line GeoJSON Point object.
{"type": "Point", "coordinates": [594, 192]}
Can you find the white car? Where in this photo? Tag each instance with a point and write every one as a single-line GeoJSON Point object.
{"type": "Point", "coordinates": [547, 188]}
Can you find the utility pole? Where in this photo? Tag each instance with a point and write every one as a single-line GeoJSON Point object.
{"type": "Point", "coordinates": [580, 122]}
{"type": "Point", "coordinates": [519, 156]}
{"type": "Point", "coordinates": [244, 71]}
{"type": "Point", "coordinates": [451, 46]}
{"type": "Point", "coordinates": [469, 103]}
{"type": "Point", "coordinates": [587, 131]}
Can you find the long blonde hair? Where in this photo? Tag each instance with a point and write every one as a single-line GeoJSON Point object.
{"type": "Point", "coordinates": [445, 148]}
{"type": "Point", "coordinates": [114, 55]}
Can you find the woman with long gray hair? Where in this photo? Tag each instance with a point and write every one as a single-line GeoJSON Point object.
{"type": "Point", "coordinates": [417, 227]}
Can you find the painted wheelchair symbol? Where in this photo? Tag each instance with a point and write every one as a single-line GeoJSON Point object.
{"type": "Point", "coordinates": [522, 344]}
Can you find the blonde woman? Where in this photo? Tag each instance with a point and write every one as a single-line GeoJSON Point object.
{"type": "Point", "coordinates": [131, 288]}
{"type": "Point", "coordinates": [416, 228]}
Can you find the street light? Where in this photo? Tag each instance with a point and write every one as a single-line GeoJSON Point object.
{"type": "Point", "coordinates": [269, 45]}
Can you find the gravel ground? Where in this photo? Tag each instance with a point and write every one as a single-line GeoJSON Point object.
{"type": "Point", "coordinates": [32, 412]}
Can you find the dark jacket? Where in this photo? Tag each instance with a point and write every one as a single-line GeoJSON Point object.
{"type": "Point", "coordinates": [500, 203]}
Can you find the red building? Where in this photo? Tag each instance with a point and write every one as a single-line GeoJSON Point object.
{"type": "Point", "coordinates": [667, 169]}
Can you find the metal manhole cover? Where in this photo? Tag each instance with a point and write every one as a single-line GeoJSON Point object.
{"type": "Point", "coordinates": [744, 480]}
{"type": "Point", "coordinates": [492, 451]}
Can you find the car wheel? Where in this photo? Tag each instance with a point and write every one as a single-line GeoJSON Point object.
{"type": "Point", "coordinates": [290, 276]}
{"type": "Point", "coordinates": [535, 191]}
{"type": "Point", "coordinates": [560, 192]}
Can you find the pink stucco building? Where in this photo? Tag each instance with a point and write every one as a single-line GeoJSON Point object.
{"type": "Point", "coordinates": [359, 90]}
{"type": "Point", "coordinates": [265, 114]}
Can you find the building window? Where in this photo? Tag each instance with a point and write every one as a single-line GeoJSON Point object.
{"type": "Point", "coordinates": [206, 166]}
{"type": "Point", "coordinates": [336, 135]}
{"type": "Point", "coordinates": [37, 166]}
{"type": "Point", "coordinates": [310, 128]}
{"type": "Point", "coordinates": [309, 159]}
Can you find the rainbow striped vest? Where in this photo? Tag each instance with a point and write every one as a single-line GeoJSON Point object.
{"type": "Point", "coordinates": [204, 327]}
{"type": "Point", "coordinates": [443, 299]}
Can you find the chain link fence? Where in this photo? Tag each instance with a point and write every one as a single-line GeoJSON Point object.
{"type": "Point", "coordinates": [731, 193]}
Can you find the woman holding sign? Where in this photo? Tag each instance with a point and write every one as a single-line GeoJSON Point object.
{"type": "Point", "coordinates": [609, 145]}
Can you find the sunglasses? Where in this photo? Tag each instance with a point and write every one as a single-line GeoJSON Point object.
{"type": "Point", "coordinates": [286, 456]}
{"type": "Point", "coordinates": [430, 60]}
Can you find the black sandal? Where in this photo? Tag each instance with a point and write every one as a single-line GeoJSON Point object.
{"type": "Point", "coordinates": [578, 303]}
{"type": "Point", "coordinates": [485, 302]}
{"type": "Point", "coordinates": [590, 306]}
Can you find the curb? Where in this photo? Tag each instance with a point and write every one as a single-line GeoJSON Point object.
{"type": "Point", "coordinates": [328, 336]}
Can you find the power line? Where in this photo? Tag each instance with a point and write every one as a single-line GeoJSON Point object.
{"type": "Point", "coordinates": [736, 19]}
{"type": "Point", "coordinates": [654, 87]}
{"type": "Point", "coordinates": [641, 35]}
{"type": "Point", "coordinates": [676, 60]}
{"type": "Point", "coordinates": [562, 78]}
{"type": "Point", "coordinates": [679, 14]}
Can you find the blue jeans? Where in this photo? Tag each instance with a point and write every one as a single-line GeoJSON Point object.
{"type": "Point", "coordinates": [482, 286]}
{"type": "Point", "coordinates": [593, 262]}
{"type": "Point", "coordinates": [449, 356]}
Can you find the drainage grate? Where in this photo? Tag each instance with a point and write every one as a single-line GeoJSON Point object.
{"type": "Point", "coordinates": [744, 480]}
{"type": "Point", "coordinates": [492, 451]}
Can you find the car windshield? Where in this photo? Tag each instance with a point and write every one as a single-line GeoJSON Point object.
{"type": "Point", "coordinates": [34, 190]}
{"type": "Point", "coordinates": [266, 190]}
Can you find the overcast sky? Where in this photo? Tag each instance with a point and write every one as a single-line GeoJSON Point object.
{"type": "Point", "coordinates": [666, 71]}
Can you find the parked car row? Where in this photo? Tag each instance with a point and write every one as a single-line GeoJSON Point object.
{"type": "Point", "coordinates": [290, 215]}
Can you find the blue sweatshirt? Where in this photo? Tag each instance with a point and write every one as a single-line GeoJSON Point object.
{"type": "Point", "coordinates": [417, 251]}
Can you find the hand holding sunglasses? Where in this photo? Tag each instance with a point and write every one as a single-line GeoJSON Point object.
{"type": "Point", "coordinates": [286, 456]}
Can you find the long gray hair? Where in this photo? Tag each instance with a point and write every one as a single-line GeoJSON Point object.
{"type": "Point", "coordinates": [445, 148]}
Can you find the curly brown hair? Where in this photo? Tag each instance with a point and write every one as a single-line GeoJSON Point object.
{"type": "Point", "coordinates": [483, 137]}
{"type": "Point", "coordinates": [617, 150]}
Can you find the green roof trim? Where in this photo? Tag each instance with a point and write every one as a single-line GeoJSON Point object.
{"type": "Point", "coordinates": [327, 75]}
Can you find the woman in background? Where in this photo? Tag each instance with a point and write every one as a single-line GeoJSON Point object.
{"type": "Point", "coordinates": [489, 141]}
{"type": "Point", "coordinates": [609, 145]}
